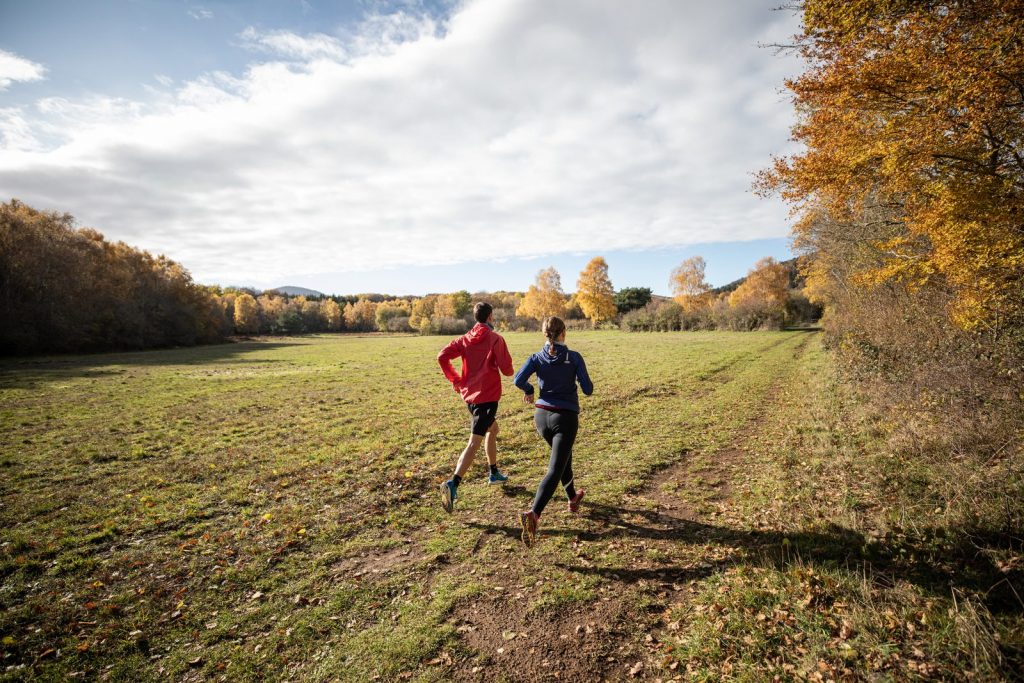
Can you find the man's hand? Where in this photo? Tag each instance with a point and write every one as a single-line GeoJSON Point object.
{"type": "Point", "coordinates": [457, 386]}
{"type": "Point", "coordinates": [527, 398]}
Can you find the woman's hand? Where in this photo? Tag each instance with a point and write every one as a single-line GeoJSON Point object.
{"type": "Point", "coordinates": [527, 398]}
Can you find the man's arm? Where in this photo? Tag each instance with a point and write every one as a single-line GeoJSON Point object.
{"type": "Point", "coordinates": [503, 357]}
{"type": "Point", "coordinates": [444, 359]}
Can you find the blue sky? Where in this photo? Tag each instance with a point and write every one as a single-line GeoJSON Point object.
{"type": "Point", "coordinates": [403, 146]}
{"type": "Point", "coordinates": [726, 261]}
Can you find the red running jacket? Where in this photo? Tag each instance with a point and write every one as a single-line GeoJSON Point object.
{"type": "Point", "coordinates": [483, 353]}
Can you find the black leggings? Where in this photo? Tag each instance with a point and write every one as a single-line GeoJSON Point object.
{"type": "Point", "coordinates": [559, 430]}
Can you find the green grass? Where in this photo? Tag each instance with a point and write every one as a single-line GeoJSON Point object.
{"type": "Point", "coordinates": [267, 510]}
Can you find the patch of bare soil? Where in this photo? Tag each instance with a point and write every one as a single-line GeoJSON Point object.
{"type": "Point", "coordinates": [373, 563]}
{"type": "Point", "coordinates": [518, 644]}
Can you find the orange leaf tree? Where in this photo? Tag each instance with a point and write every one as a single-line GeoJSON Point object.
{"type": "Point", "coordinates": [594, 291]}
{"type": "Point", "coordinates": [545, 298]}
{"type": "Point", "coordinates": [915, 110]}
{"type": "Point", "coordinates": [766, 288]}
{"type": "Point", "coordinates": [689, 287]}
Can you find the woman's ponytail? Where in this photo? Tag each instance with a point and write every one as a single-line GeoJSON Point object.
{"type": "Point", "coordinates": [553, 328]}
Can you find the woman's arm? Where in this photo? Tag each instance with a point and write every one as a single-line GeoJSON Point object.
{"type": "Point", "coordinates": [522, 378]}
{"type": "Point", "coordinates": [583, 377]}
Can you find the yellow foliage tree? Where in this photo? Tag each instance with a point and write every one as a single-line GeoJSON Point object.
{"type": "Point", "coordinates": [689, 288]}
{"type": "Point", "coordinates": [445, 306]}
{"type": "Point", "coordinates": [362, 315]}
{"type": "Point", "coordinates": [594, 292]}
{"type": "Point", "coordinates": [766, 288]}
{"type": "Point", "coordinates": [389, 313]}
{"type": "Point", "coordinates": [247, 319]}
{"type": "Point", "coordinates": [916, 108]}
{"type": "Point", "coordinates": [272, 308]}
{"type": "Point", "coordinates": [332, 314]}
{"type": "Point", "coordinates": [422, 311]}
{"type": "Point", "coordinates": [545, 298]}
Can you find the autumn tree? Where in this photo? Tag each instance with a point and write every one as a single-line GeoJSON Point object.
{"type": "Point", "coordinates": [444, 306]}
{"type": "Point", "coordinates": [393, 316]}
{"type": "Point", "coordinates": [331, 313]}
{"type": "Point", "coordinates": [595, 293]}
{"type": "Point", "coordinates": [247, 319]}
{"type": "Point", "coordinates": [422, 312]}
{"type": "Point", "coordinates": [361, 315]}
{"type": "Point", "coordinates": [312, 319]}
{"type": "Point", "coordinates": [915, 108]}
{"type": "Point", "coordinates": [272, 308]}
{"type": "Point", "coordinates": [765, 289]}
{"type": "Point", "coordinates": [64, 288]}
{"type": "Point", "coordinates": [689, 287]}
{"type": "Point", "coordinates": [545, 298]}
{"type": "Point", "coordinates": [573, 310]}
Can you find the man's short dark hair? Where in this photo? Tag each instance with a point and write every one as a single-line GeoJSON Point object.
{"type": "Point", "coordinates": [482, 311]}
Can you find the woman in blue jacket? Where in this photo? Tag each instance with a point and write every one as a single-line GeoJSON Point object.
{"type": "Point", "coordinates": [556, 417]}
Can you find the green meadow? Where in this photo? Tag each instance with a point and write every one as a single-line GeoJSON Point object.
{"type": "Point", "coordinates": [268, 510]}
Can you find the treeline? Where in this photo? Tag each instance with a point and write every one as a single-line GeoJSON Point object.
{"type": "Point", "coordinates": [910, 199]}
{"type": "Point", "coordinates": [770, 297]}
{"type": "Point", "coordinates": [67, 289]}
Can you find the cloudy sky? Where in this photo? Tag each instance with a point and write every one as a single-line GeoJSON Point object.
{"type": "Point", "coordinates": [403, 146]}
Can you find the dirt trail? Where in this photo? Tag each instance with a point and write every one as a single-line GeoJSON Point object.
{"type": "Point", "coordinates": [670, 534]}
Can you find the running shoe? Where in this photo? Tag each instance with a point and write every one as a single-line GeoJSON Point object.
{"type": "Point", "coordinates": [448, 495]}
{"type": "Point", "coordinates": [574, 503]}
{"type": "Point", "coordinates": [529, 521]}
{"type": "Point", "coordinates": [496, 477]}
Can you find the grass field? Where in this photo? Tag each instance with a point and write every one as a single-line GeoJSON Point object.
{"type": "Point", "coordinates": [268, 510]}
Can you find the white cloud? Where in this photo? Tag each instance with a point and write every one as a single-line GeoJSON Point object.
{"type": "Point", "coordinates": [292, 46]}
{"type": "Point", "coordinates": [14, 68]}
{"type": "Point", "coordinates": [200, 14]}
{"type": "Point", "coordinates": [516, 128]}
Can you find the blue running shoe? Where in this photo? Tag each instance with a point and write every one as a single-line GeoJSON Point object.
{"type": "Point", "coordinates": [448, 495]}
{"type": "Point", "coordinates": [497, 478]}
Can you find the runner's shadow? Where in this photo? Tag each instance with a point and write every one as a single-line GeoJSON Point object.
{"type": "Point", "coordinates": [515, 491]}
{"type": "Point", "coordinates": [908, 557]}
{"type": "Point", "coordinates": [889, 559]}
{"type": "Point", "coordinates": [514, 532]}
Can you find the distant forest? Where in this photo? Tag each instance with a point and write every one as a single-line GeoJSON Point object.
{"type": "Point", "coordinates": [66, 289]}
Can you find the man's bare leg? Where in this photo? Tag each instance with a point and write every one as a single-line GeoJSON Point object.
{"type": "Point", "coordinates": [491, 445]}
{"type": "Point", "coordinates": [468, 454]}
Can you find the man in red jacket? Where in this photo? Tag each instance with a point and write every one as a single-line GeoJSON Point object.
{"type": "Point", "coordinates": [484, 354]}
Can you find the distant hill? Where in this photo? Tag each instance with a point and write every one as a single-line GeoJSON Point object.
{"type": "Point", "coordinates": [795, 280]}
{"type": "Point", "coordinates": [297, 291]}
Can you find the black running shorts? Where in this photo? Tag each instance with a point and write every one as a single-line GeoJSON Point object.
{"type": "Point", "coordinates": [484, 415]}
